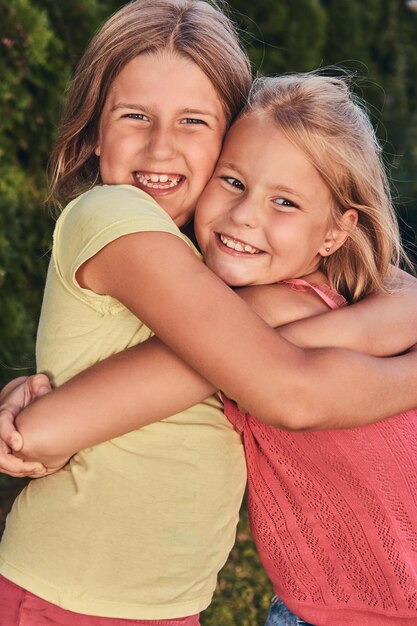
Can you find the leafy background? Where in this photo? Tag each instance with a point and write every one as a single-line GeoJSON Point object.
{"type": "Point", "coordinates": [40, 43]}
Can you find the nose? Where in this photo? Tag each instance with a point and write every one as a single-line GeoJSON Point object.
{"type": "Point", "coordinates": [161, 144]}
{"type": "Point", "coordinates": [244, 212]}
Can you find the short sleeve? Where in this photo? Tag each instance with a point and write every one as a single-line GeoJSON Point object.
{"type": "Point", "coordinates": [95, 219]}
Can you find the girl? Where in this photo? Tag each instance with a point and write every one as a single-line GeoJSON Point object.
{"type": "Point", "coordinates": [139, 127]}
{"type": "Point", "coordinates": [332, 512]}
{"type": "Point", "coordinates": [140, 530]}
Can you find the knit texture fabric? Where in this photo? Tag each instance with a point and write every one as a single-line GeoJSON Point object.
{"type": "Point", "coordinates": [333, 514]}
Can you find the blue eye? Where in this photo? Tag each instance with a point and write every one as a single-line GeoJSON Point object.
{"type": "Point", "coordinates": [285, 202]}
{"type": "Point", "coordinates": [233, 182]}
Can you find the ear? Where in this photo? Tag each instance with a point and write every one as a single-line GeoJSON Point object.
{"type": "Point", "coordinates": [336, 237]}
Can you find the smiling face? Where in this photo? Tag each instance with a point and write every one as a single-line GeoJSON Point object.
{"type": "Point", "coordinates": [265, 214]}
{"type": "Point", "coordinates": [161, 130]}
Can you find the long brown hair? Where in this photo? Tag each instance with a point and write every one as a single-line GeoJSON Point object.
{"type": "Point", "coordinates": [321, 116]}
{"type": "Point", "coordinates": [194, 29]}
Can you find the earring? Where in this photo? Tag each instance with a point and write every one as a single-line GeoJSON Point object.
{"type": "Point", "coordinates": [327, 249]}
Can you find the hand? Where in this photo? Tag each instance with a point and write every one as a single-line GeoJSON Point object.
{"type": "Point", "coordinates": [13, 398]}
{"type": "Point", "coordinates": [46, 471]}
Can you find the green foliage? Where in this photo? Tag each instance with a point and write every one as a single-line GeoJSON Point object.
{"type": "Point", "coordinates": [243, 593]}
{"type": "Point", "coordinates": [38, 51]}
{"type": "Point", "coordinates": [283, 36]}
{"type": "Point", "coordinates": [27, 92]}
{"type": "Point", "coordinates": [377, 41]}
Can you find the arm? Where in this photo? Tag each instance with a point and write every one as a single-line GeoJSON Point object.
{"type": "Point", "coordinates": [212, 330]}
{"type": "Point", "coordinates": [125, 392]}
{"type": "Point", "coordinates": [152, 383]}
{"type": "Point", "coordinates": [381, 324]}
{"type": "Point", "coordinates": [280, 305]}
{"type": "Point", "coordinates": [199, 318]}
{"type": "Point", "coordinates": [81, 412]}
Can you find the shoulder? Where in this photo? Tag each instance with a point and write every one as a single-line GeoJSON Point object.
{"type": "Point", "coordinates": [282, 303]}
{"type": "Point", "coordinates": [99, 217]}
{"type": "Point", "coordinates": [317, 287]}
{"type": "Point", "coordinates": [112, 202]}
{"type": "Point", "coordinates": [107, 212]}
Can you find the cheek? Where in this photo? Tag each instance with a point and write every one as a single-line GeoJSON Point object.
{"type": "Point", "coordinates": [106, 163]}
{"type": "Point", "coordinates": [206, 156]}
{"type": "Point", "coordinates": [201, 230]}
{"type": "Point", "coordinates": [205, 221]}
{"type": "Point", "coordinates": [207, 212]}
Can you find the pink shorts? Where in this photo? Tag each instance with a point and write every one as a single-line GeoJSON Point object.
{"type": "Point", "coordinates": [19, 607]}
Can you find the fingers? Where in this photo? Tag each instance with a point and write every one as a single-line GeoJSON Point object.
{"type": "Point", "coordinates": [8, 433]}
{"type": "Point", "coordinates": [14, 397]}
{"type": "Point", "coordinates": [38, 385]}
{"type": "Point", "coordinates": [12, 466]}
{"type": "Point", "coordinates": [16, 382]}
{"type": "Point", "coordinates": [47, 472]}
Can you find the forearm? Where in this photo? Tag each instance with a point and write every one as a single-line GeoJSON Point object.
{"type": "Point", "coordinates": [380, 325]}
{"type": "Point", "coordinates": [127, 391]}
{"type": "Point", "coordinates": [120, 394]}
{"type": "Point", "coordinates": [123, 393]}
{"type": "Point", "coordinates": [343, 389]}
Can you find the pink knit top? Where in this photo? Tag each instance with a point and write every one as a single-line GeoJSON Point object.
{"type": "Point", "coordinates": [334, 514]}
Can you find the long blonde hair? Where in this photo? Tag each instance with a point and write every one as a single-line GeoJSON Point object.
{"type": "Point", "coordinates": [193, 29]}
{"type": "Point", "coordinates": [321, 116]}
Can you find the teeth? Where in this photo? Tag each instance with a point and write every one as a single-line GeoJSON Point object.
{"type": "Point", "coordinates": [233, 244]}
{"type": "Point", "coordinates": [158, 181]}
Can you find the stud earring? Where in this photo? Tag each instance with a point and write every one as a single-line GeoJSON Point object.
{"type": "Point", "coordinates": [327, 249]}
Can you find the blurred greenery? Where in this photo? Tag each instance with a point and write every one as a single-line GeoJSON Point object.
{"type": "Point", "coordinates": [243, 593]}
{"type": "Point", "coordinates": [40, 43]}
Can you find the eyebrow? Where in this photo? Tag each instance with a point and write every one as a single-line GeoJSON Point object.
{"type": "Point", "coordinates": [139, 107]}
{"type": "Point", "coordinates": [200, 112]}
{"type": "Point", "coordinates": [285, 189]}
{"type": "Point", "coordinates": [229, 165]}
{"type": "Point", "coordinates": [128, 105]}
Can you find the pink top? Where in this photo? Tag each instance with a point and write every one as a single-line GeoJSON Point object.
{"type": "Point", "coordinates": [334, 515]}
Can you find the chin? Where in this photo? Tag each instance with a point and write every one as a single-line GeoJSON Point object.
{"type": "Point", "coordinates": [232, 280]}
{"type": "Point", "coordinates": [226, 274]}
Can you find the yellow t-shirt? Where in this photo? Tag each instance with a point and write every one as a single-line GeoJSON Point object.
{"type": "Point", "coordinates": [139, 526]}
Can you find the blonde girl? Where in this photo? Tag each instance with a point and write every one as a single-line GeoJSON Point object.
{"type": "Point", "coordinates": [332, 512]}
{"type": "Point", "coordinates": [137, 527]}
